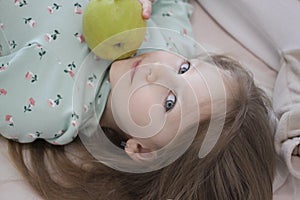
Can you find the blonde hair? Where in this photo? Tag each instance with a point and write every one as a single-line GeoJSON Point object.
{"type": "Point", "coordinates": [240, 166]}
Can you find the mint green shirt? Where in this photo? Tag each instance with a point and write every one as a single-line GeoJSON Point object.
{"type": "Point", "coordinates": [50, 83]}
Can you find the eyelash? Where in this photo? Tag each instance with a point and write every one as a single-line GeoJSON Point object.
{"type": "Point", "coordinates": [171, 99]}
{"type": "Point", "coordinates": [186, 68]}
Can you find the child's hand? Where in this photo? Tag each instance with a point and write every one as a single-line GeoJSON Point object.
{"type": "Point", "coordinates": [147, 8]}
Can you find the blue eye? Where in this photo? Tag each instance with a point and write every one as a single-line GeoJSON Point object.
{"type": "Point", "coordinates": [184, 67]}
{"type": "Point", "coordinates": [170, 101]}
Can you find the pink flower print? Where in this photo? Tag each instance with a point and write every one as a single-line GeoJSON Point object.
{"type": "Point", "coordinates": [20, 3]}
{"type": "Point", "coordinates": [78, 9]}
{"type": "Point", "coordinates": [48, 37]}
{"type": "Point", "coordinates": [55, 143]}
{"type": "Point", "coordinates": [50, 9]}
{"type": "Point", "coordinates": [167, 14]}
{"type": "Point", "coordinates": [3, 92]}
{"type": "Point", "coordinates": [17, 2]}
{"type": "Point", "coordinates": [70, 69]}
{"type": "Point", "coordinates": [60, 133]}
{"type": "Point", "coordinates": [52, 103]}
{"type": "Point", "coordinates": [35, 135]}
{"type": "Point", "coordinates": [79, 37]}
{"type": "Point", "coordinates": [28, 75]}
{"type": "Point", "coordinates": [91, 79]}
{"type": "Point", "coordinates": [75, 117]}
{"type": "Point", "coordinates": [31, 22]}
{"type": "Point", "coordinates": [85, 108]}
{"type": "Point", "coordinates": [53, 7]}
{"type": "Point", "coordinates": [31, 102]}
{"type": "Point", "coordinates": [12, 44]}
{"type": "Point", "coordinates": [71, 73]}
{"type": "Point", "coordinates": [90, 84]}
{"type": "Point", "coordinates": [3, 67]}
{"type": "Point", "coordinates": [9, 120]}
{"type": "Point", "coordinates": [74, 123]}
{"type": "Point", "coordinates": [184, 32]}
{"type": "Point", "coordinates": [38, 45]}
{"type": "Point", "coordinates": [32, 135]}
{"type": "Point", "coordinates": [31, 77]}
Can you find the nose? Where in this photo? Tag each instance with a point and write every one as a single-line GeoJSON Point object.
{"type": "Point", "coordinates": [158, 71]}
{"type": "Point", "coordinates": [162, 75]}
{"type": "Point", "coordinates": [152, 76]}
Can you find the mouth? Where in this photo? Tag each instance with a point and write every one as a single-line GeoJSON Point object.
{"type": "Point", "coordinates": [134, 67]}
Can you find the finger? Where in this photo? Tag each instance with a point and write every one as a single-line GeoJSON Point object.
{"type": "Point", "coordinates": [147, 8]}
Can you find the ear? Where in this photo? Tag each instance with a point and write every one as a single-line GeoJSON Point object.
{"type": "Point", "coordinates": [139, 152]}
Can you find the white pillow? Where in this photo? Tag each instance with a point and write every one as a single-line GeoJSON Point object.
{"type": "Point", "coordinates": [286, 103]}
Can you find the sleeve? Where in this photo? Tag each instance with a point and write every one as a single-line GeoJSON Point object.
{"type": "Point", "coordinates": [172, 15]}
{"type": "Point", "coordinates": [169, 28]}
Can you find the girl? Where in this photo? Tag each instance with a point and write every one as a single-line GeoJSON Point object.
{"type": "Point", "coordinates": [243, 155]}
{"type": "Point", "coordinates": [180, 93]}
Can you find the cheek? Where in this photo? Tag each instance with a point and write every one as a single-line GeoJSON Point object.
{"type": "Point", "coordinates": [166, 134]}
{"type": "Point", "coordinates": [164, 137]}
{"type": "Point", "coordinates": [143, 102]}
{"type": "Point", "coordinates": [119, 71]}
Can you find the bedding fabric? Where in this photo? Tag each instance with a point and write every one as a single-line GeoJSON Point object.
{"type": "Point", "coordinates": [267, 28]}
{"type": "Point", "coordinates": [270, 29]}
{"type": "Point", "coordinates": [286, 103]}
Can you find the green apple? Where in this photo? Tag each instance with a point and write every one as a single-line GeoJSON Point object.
{"type": "Point", "coordinates": [114, 28]}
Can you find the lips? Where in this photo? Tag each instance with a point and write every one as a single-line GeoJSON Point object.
{"type": "Point", "coordinates": [134, 67]}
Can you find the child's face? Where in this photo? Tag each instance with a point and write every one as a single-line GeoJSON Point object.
{"type": "Point", "coordinates": [158, 95]}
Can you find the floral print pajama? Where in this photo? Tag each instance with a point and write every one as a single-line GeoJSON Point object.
{"type": "Point", "coordinates": [50, 83]}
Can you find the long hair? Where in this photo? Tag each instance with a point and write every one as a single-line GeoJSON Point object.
{"type": "Point", "coordinates": [240, 166]}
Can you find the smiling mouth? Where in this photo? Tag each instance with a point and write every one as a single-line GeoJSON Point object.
{"type": "Point", "coordinates": [134, 67]}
